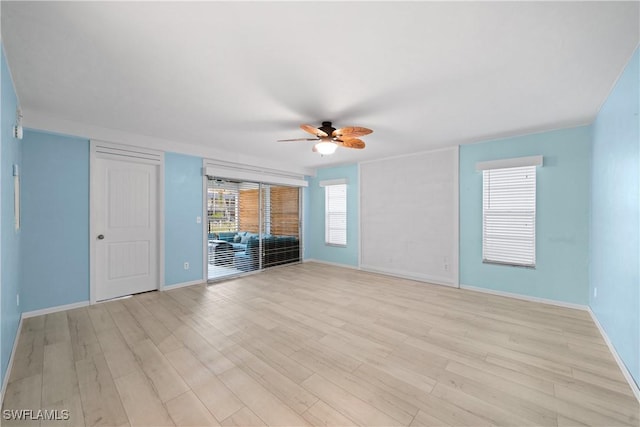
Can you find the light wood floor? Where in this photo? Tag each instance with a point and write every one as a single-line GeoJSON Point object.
{"type": "Point", "coordinates": [317, 345]}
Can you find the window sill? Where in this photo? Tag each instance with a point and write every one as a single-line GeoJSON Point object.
{"type": "Point", "coordinates": [335, 245]}
{"type": "Point", "coordinates": [508, 264]}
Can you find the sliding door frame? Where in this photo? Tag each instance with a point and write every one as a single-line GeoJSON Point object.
{"type": "Point", "coordinates": [260, 176]}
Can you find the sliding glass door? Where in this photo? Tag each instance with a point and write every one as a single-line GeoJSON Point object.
{"type": "Point", "coordinates": [251, 226]}
{"type": "Point", "coordinates": [233, 227]}
{"type": "Point", "coordinates": [281, 225]}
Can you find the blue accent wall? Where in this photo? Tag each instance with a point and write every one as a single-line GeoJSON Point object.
{"type": "Point", "coordinates": [183, 203]}
{"type": "Point", "coordinates": [615, 217]}
{"type": "Point", "coordinates": [315, 248]}
{"type": "Point", "coordinates": [10, 239]}
{"type": "Point", "coordinates": [562, 217]}
{"type": "Point", "coordinates": [55, 220]}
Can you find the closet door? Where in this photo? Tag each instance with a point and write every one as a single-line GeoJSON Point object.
{"type": "Point", "coordinates": [125, 194]}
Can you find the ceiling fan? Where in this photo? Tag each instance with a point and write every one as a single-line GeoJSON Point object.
{"type": "Point", "coordinates": [329, 138]}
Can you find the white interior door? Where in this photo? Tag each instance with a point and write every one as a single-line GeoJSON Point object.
{"type": "Point", "coordinates": [125, 213]}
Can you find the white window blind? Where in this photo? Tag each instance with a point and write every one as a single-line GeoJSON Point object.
{"type": "Point", "coordinates": [222, 205]}
{"type": "Point", "coordinates": [336, 214]}
{"type": "Point", "coordinates": [509, 216]}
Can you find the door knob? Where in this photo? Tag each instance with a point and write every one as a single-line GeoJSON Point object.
{"type": "Point", "coordinates": [100, 236]}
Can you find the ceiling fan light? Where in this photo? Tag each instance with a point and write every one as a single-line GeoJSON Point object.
{"type": "Point", "coordinates": [326, 147]}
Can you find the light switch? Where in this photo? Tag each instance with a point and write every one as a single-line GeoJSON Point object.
{"type": "Point", "coordinates": [198, 220]}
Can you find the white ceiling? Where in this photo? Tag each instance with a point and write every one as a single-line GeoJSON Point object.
{"type": "Point", "coordinates": [233, 77]}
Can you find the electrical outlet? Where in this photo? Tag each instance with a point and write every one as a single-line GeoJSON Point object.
{"type": "Point", "coordinates": [18, 300]}
{"type": "Point", "coordinates": [186, 265]}
{"type": "Point", "coordinates": [595, 292]}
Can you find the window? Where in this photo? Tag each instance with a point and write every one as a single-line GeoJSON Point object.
{"type": "Point", "coordinates": [335, 214]}
{"type": "Point", "coordinates": [509, 216]}
{"type": "Point", "coordinates": [252, 226]}
{"type": "Point", "coordinates": [222, 205]}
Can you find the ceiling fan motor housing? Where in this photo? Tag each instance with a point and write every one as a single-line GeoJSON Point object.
{"type": "Point", "coordinates": [327, 128]}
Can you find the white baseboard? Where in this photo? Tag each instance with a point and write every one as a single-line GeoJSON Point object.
{"type": "Point", "coordinates": [444, 281]}
{"type": "Point", "coordinates": [627, 375]}
{"type": "Point", "coordinates": [26, 315]}
{"type": "Point", "coordinates": [55, 309]}
{"type": "Point", "coordinates": [335, 264]}
{"type": "Point", "coordinates": [183, 284]}
{"type": "Point", "coordinates": [612, 349]}
{"type": "Point", "coordinates": [420, 278]}
{"type": "Point", "coordinates": [7, 374]}
{"type": "Point", "coordinates": [526, 297]}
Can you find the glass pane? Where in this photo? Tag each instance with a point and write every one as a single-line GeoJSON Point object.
{"type": "Point", "coordinates": [281, 225]}
{"type": "Point", "coordinates": [233, 221]}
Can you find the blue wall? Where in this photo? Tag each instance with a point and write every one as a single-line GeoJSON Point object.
{"type": "Point", "coordinates": [615, 217]}
{"type": "Point", "coordinates": [183, 203]}
{"type": "Point", "coordinates": [55, 232]}
{"type": "Point", "coordinates": [55, 235]}
{"type": "Point", "coordinates": [315, 247]}
{"type": "Point", "coordinates": [562, 217]}
{"type": "Point", "coordinates": [10, 154]}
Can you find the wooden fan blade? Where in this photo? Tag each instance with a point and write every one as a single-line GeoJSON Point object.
{"type": "Point", "coordinates": [313, 131]}
{"type": "Point", "coordinates": [351, 132]}
{"type": "Point", "coordinates": [297, 139]}
{"type": "Point", "coordinates": [351, 143]}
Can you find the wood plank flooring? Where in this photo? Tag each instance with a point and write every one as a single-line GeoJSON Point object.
{"type": "Point", "coordinates": [311, 344]}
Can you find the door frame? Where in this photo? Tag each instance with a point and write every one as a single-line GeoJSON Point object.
{"type": "Point", "coordinates": [261, 213]}
{"type": "Point", "coordinates": [113, 151]}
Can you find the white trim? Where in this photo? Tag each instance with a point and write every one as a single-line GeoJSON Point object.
{"type": "Point", "coordinates": [510, 163]}
{"type": "Point", "coordinates": [5, 380]}
{"type": "Point", "coordinates": [623, 368]}
{"type": "Point", "coordinates": [614, 84]}
{"type": "Point", "coordinates": [400, 156]}
{"type": "Point", "coordinates": [184, 284]}
{"type": "Point", "coordinates": [242, 172]}
{"type": "Point", "coordinates": [43, 121]}
{"type": "Point", "coordinates": [338, 181]}
{"type": "Point", "coordinates": [136, 154]}
{"type": "Point", "coordinates": [434, 280]}
{"type": "Point", "coordinates": [92, 227]}
{"type": "Point", "coordinates": [160, 224]}
{"type": "Point", "coordinates": [525, 297]}
{"type": "Point", "coordinates": [625, 371]}
{"type": "Point", "coordinates": [110, 150]}
{"type": "Point", "coordinates": [335, 264]}
{"type": "Point", "coordinates": [49, 310]}
{"type": "Point", "coordinates": [205, 224]}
